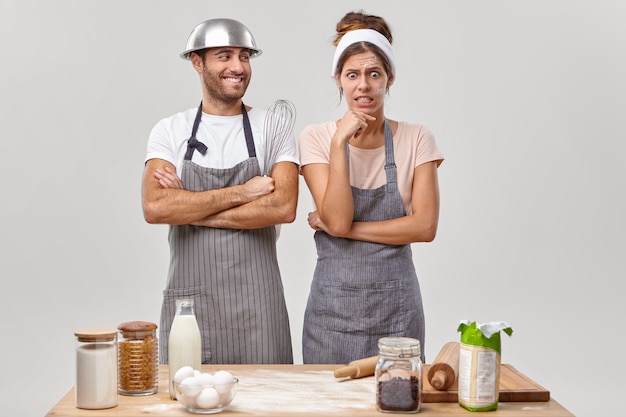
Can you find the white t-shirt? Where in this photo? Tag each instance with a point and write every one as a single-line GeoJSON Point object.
{"type": "Point", "coordinates": [223, 135]}
{"type": "Point", "coordinates": [413, 145]}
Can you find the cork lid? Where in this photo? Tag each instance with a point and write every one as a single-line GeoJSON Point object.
{"type": "Point", "coordinates": [136, 326]}
{"type": "Point", "coordinates": [95, 335]}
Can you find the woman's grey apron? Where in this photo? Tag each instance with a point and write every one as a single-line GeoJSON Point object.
{"type": "Point", "coordinates": [362, 291]}
{"type": "Point", "coordinates": [231, 274]}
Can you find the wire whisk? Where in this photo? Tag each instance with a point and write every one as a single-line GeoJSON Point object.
{"type": "Point", "coordinates": [277, 129]}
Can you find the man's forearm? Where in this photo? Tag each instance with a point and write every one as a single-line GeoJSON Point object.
{"type": "Point", "coordinates": [263, 212]}
{"type": "Point", "coordinates": [176, 206]}
{"type": "Point", "coordinates": [165, 201]}
{"type": "Point", "coordinates": [276, 208]}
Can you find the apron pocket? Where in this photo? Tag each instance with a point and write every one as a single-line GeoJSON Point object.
{"type": "Point", "coordinates": [376, 308]}
{"type": "Point", "coordinates": [173, 294]}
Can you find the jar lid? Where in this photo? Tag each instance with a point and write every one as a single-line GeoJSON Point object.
{"type": "Point", "coordinates": [95, 335]}
{"type": "Point", "coordinates": [137, 326]}
{"type": "Point", "coordinates": [403, 347]}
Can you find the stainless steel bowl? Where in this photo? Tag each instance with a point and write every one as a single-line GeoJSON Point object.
{"type": "Point", "coordinates": [220, 32]}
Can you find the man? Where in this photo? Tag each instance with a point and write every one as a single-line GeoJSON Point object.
{"type": "Point", "coordinates": [202, 177]}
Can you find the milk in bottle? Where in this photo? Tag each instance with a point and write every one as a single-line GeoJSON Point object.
{"type": "Point", "coordinates": [184, 344]}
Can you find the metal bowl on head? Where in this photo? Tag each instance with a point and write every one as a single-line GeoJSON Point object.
{"type": "Point", "coordinates": [220, 32]}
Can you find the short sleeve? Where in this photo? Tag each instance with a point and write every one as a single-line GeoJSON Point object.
{"type": "Point", "coordinates": [160, 144]}
{"type": "Point", "coordinates": [314, 144]}
{"type": "Point", "coordinates": [427, 150]}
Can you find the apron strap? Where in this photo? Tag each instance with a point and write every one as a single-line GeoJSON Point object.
{"type": "Point", "coordinates": [247, 130]}
{"type": "Point", "coordinates": [390, 162]}
{"type": "Point", "coordinates": [193, 143]}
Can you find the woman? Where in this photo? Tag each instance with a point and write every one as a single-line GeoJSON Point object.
{"type": "Point", "coordinates": [375, 188]}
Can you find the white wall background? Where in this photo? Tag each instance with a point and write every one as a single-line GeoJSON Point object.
{"type": "Point", "coordinates": [526, 99]}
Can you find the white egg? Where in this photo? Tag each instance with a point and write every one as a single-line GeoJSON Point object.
{"type": "Point", "coordinates": [206, 379]}
{"type": "Point", "coordinates": [222, 377]}
{"type": "Point", "coordinates": [187, 401]}
{"type": "Point", "coordinates": [196, 372]}
{"type": "Point", "coordinates": [190, 386]}
{"type": "Point", "coordinates": [182, 373]}
{"type": "Point", "coordinates": [226, 397]}
{"type": "Point", "coordinates": [223, 381]}
{"type": "Point", "coordinates": [208, 398]}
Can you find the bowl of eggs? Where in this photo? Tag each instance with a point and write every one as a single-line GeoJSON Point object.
{"type": "Point", "coordinates": [202, 392]}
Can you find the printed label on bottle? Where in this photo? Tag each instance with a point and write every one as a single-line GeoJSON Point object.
{"type": "Point", "coordinates": [479, 376]}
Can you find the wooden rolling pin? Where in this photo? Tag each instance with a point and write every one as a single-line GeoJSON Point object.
{"type": "Point", "coordinates": [444, 370]}
{"type": "Point", "coordinates": [358, 368]}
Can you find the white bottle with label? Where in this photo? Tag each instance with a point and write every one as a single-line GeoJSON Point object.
{"type": "Point", "coordinates": [185, 343]}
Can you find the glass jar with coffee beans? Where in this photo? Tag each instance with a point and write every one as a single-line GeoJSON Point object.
{"type": "Point", "coordinates": [399, 375]}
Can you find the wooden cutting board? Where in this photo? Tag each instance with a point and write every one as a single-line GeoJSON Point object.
{"type": "Point", "coordinates": [514, 386]}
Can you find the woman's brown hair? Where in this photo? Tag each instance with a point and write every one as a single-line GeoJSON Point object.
{"type": "Point", "coordinates": [361, 20]}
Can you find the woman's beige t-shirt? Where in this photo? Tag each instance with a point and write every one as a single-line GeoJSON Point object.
{"type": "Point", "coordinates": [414, 144]}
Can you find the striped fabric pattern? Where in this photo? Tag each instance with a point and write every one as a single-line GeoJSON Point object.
{"type": "Point", "coordinates": [362, 291]}
{"type": "Point", "coordinates": [234, 279]}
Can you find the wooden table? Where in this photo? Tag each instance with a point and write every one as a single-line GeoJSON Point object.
{"type": "Point", "coordinates": [288, 390]}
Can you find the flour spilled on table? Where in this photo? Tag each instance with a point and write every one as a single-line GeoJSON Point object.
{"type": "Point", "coordinates": [308, 392]}
{"type": "Point", "coordinates": [159, 409]}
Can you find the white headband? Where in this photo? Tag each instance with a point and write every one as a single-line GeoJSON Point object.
{"type": "Point", "coordinates": [363, 35]}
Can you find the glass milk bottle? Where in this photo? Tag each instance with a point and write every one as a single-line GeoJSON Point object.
{"type": "Point", "coordinates": [184, 344]}
{"type": "Point", "coordinates": [96, 369]}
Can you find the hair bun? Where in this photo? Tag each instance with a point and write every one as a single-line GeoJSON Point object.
{"type": "Point", "coordinates": [361, 20]}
